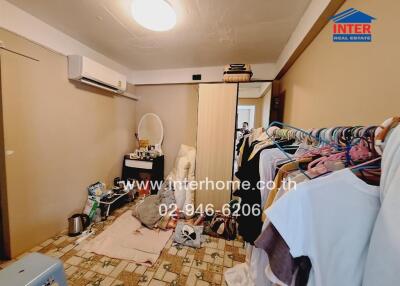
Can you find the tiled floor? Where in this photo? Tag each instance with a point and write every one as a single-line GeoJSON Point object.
{"type": "Point", "coordinates": [177, 265]}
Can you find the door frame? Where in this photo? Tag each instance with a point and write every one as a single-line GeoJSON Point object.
{"type": "Point", "coordinates": [236, 119]}
{"type": "Point", "coordinates": [5, 246]}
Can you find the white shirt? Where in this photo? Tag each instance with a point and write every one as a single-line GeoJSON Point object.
{"type": "Point", "coordinates": [269, 159]}
{"type": "Point", "coordinates": [383, 262]}
{"type": "Point", "coordinates": [330, 220]}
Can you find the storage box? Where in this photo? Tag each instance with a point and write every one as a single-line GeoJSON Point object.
{"type": "Point", "coordinates": [237, 73]}
{"type": "Point", "coordinates": [34, 269]}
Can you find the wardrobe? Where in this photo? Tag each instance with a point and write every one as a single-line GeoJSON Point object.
{"type": "Point", "coordinates": [217, 131]}
{"type": "Point", "coordinates": [215, 141]}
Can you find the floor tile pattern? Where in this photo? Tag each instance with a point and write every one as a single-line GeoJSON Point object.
{"type": "Point", "coordinates": [177, 265]}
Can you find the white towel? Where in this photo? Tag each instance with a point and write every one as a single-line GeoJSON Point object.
{"type": "Point", "coordinates": [127, 239]}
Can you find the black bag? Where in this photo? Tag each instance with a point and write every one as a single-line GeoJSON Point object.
{"type": "Point", "coordinates": [222, 226]}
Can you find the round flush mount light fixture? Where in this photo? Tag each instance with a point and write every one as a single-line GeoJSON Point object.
{"type": "Point", "coordinates": [155, 15]}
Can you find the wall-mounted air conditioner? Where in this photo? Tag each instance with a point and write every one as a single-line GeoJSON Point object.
{"type": "Point", "coordinates": [90, 72]}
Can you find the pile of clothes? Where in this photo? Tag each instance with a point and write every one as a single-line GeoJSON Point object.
{"type": "Point", "coordinates": [175, 193]}
{"type": "Point", "coordinates": [168, 209]}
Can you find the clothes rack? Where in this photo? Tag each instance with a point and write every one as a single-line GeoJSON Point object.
{"type": "Point", "coordinates": [326, 165]}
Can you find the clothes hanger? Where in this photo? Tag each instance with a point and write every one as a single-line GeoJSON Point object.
{"type": "Point", "coordinates": [354, 152]}
{"type": "Point", "coordinates": [308, 135]}
{"type": "Point", "coordinates": [369, 174]}
{"type": "Point", "coordinates": [381, 133]}
{"type": "Point", "coordinates": [365, 164]}
{"type": "Point", "coordinates": [263, 137]}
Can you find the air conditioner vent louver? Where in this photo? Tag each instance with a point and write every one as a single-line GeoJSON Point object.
{"type": "Point", "coordinates": [96, 83]}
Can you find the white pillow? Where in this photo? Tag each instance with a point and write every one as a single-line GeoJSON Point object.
{"type": "Point", "coordinates": [184, 170]}
{"type": "Point", "coordinates": [180, 196]}
{"type": "Point", "coordinates": [190, 153]}
{"type": "Point", "coordinates": [189, 200]}
{"type": "Point", "coordinates": [182, 165]}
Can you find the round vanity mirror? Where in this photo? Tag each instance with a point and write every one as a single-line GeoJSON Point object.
{"type": "Point", "coordinates": [150, 128]}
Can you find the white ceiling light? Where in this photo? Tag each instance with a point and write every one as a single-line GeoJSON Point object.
{"type": "Point", "coordinates": [156, 15]}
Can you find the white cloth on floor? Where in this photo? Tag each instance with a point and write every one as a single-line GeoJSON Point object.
{"type": "Point", "coordinates": [382, 266]}
{"type": "Point", "coordinates": [258, 264]}
{"type": "Point", "coordinates": [127, 239]}
{"type": "Point", "coordinates": [238, 276]}
{"type": "Point", "coordinates": [330, 220]}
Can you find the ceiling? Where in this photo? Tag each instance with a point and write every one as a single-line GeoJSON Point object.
{"type": "Point", "coordinates": [208, 32]}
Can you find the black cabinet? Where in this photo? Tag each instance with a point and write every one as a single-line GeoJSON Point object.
{"type": "Point", "coordinates": [144, 170]}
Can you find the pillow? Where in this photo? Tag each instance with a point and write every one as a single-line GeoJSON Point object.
{"type": "Point", "coordinates": [182, 165]}
{"type": "Point", "coordinates": [147, 211]}
{"type": "Point", "coordinates": [183, 170]}
{"type": "Point", "coordinates": [190, 153]}
{"type": "Point", "coordinates": [188, 235]}
{"type": "Point", "coordinates": [189, 200]}
{"type": "Point", "coordinates": [180, 195]}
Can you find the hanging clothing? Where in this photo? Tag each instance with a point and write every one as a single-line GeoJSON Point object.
{"type": "Point", "coordinates": [286, 268]}
{"type": "Point", "coordinates": [241, 140]}
{"type": "Point", "coordinates": [245, 151]}
{"type": "Point", "coordinates": [382, 266]}
{"type": "Point", "coordinates": [269, 159]}
{"type": "Point", "coordinates": [255, 133]}
{"type": "Point", "coordinates": [249, 170]}
{"type": "Point", "coordinates": [249, 221]}
{"type": "Point", "coordinates": [283, 171]}
{"type": "Point", "coordinates": [259, 146]}
{"type": "Point", "coordinates": [329, 220]}
{"type": "Point", "coordinates": [282, 265]}
{"type": "Point", "coordinates": [250, 224]}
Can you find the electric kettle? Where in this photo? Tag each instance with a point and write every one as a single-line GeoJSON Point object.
{"type": "Point", "coordinates": [77, 224]}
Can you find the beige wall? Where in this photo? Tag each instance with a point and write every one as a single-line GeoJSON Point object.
{"type": "Point", "coordinates": [266, 107]}
{"type": "Point", "coordinates": [177, 107]}
{"type": "Point", "coordinates": [258, 103]}
{"type": "Point", "coordinates": [63, 136]}
{"type": "Point", "coordinates": [262, 108]}
{"type": "Point", "coordinates": [347, 83]}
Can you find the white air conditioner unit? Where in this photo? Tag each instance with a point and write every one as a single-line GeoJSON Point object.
{"type": "Point", "coordinates": [90, 72]}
